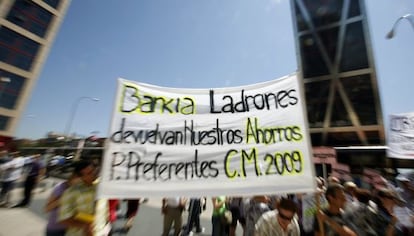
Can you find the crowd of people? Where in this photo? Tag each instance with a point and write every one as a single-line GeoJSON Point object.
{"type": "Point", "coordinates": [337, 207]}
{"type": "Point", "coordinates": [14, 167]}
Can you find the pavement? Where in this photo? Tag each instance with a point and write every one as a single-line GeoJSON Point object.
{"type": "Point", "coordinates": [31, 221]}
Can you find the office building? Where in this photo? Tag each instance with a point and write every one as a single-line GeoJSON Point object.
{"type": "Point", "coordinates": [337, 64]}
{"type": "Point", "coordinates": [27, 31]}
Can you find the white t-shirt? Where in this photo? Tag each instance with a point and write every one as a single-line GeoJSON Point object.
{"type": "Point", "coordinates": [173, 201]}
{"type": "Point", "coordinates": [12, 170]}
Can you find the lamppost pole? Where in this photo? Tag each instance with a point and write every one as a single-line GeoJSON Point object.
{"type": "Point", "coordinates": [408, 17]}
{"type": "Point", "coordinates": [73, 110]}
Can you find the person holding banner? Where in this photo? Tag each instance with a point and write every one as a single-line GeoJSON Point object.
{"type": "Point", "coordinates": [54, 228]}
{"type": "Point", "coordinates": [255, 208]}
{"type": "Point", "coordinates": [382, 218]}
{"type": "Point", "coordinates": [358, 215]}
{"type": "Point", "coordinates": [79, 211]}
{"type": "Point", "coordinates": [331, 218]}
{"type": "Point", "coordinates": [308, 204]}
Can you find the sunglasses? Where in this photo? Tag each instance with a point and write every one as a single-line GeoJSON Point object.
{"type": "Point", "coordinates": [389, 197]}
{"type": "Point", "coordinates": [285, 217]}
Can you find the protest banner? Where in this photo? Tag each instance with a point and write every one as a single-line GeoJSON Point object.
{"type": "Point", "coordinates": [207, 142]}
{"type": "Point", "coordinates": [400, 140]}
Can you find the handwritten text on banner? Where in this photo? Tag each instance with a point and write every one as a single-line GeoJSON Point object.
{"type": "Point", "coordinates": [206, 142]}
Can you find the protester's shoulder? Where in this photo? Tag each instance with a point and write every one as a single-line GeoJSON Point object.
{"type": "Point", "coordinates": [61, 187]}
{"type": "Point", "coordinates": [265, 222]}
{"type": "Point", "coordinates": [5, 164]}
{"type": "Point", "coordinates": [7, 160]}
{"type": "Point", "coordinates": [20, 161]}
{"type": "Point", "coordinates": [269, 215]}
{"type": "Point", "coordinates": [76, 188]}
{"type": "Point", "coordinates": [295, 226]}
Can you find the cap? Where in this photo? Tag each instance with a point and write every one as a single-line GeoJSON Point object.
{"type": "Point", "coordinates": [349, 184]}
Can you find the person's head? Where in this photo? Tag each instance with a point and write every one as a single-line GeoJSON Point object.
{"type": "Point", "coordinates": [406, 181]}
{"type": "Point", "coordinates": [286, 211]}
{"type": "Point", "coordinates": [86, 171]}
{"type": "Point", "coordinates": [388, 197]}
{"type": "Point", "coordinates": [73, 179]}
{"type": "Point", "coordinates": [36, 157]}
{"type": "Point", "coordinates": [261, 198]}
{"type": "Point", "coordinates": [350, 187]}
{"type": "Point", "coordinates": [333, 180]}
{"type": "Point", "coordinates": [335, 195]}
{"type": "Point", "coordinates": [363, 195]}
{"type": "Point", "coordinates": [380, 182]}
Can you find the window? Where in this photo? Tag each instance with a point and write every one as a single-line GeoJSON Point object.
{"type": "Point", "coordinates": [30, 16]}
{"type": "Point", "coordinates": [15, 48]}
{"type": "Point", "coordinates": [324, 12]}
{"type": "Point", "coordinates": [312, 61]}
{"type": "Point", "coordinates": [4, 120]}
{"type": "Point", "coordinates": [52, 3]}
{"type": "Point", "coordinates": [10, 91]}
{"type": "Point", "coordinates": [354, 52]}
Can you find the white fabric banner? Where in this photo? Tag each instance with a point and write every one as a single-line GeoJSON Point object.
{"type": "Point", "coordinates": [243, 140]}
{"type": "Point", "coordinates": [400, 140]}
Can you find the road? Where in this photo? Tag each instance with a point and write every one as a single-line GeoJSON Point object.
{"type": "Point", "coordinates": [31, 221]}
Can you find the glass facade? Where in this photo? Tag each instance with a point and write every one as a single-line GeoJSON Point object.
{"type": "Point", "coordinates": [16, 49]}
{"type": "Point", "coordinates": [340, 82]}
{"type": "Point", "coordinates": [354, 53]}
{"type": "Point", "coordinates": [52, 3]}
{"type": "Point", "coordinates": [25, 41]}
{"type": "Point", "coordinates": [10, 91]}
{"type": "Point", "coordinates": [30, 16]}
{"type": "Point", "coordinates": [4, 120]}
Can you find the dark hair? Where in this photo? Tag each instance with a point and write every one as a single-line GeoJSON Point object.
{"type": "Point", "coordinates": [363, 195]}
{"type": "Point", "coordinates": [80, 165]}
{"type": "Point", "coordinates": [332, 189]}
{"type": "Point", "coordinates": [288, 204]}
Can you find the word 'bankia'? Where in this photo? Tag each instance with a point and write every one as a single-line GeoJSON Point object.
{"type": "Point", "coordinates": [132, 101]}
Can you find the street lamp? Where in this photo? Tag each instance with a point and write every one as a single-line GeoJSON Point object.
{"type": "Point", "coordinates": [73, 112]}
{"type": "Point", "coordinates": [408, 17]}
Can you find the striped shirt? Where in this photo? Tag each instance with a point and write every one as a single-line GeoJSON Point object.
{"type": "Point", "coordinates": [77, 199]}
{"type": "Point", "coordinates": [267, 225]}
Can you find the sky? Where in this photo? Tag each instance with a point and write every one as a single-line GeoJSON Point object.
{"type": "Point", "coordinates": [190, 44]}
